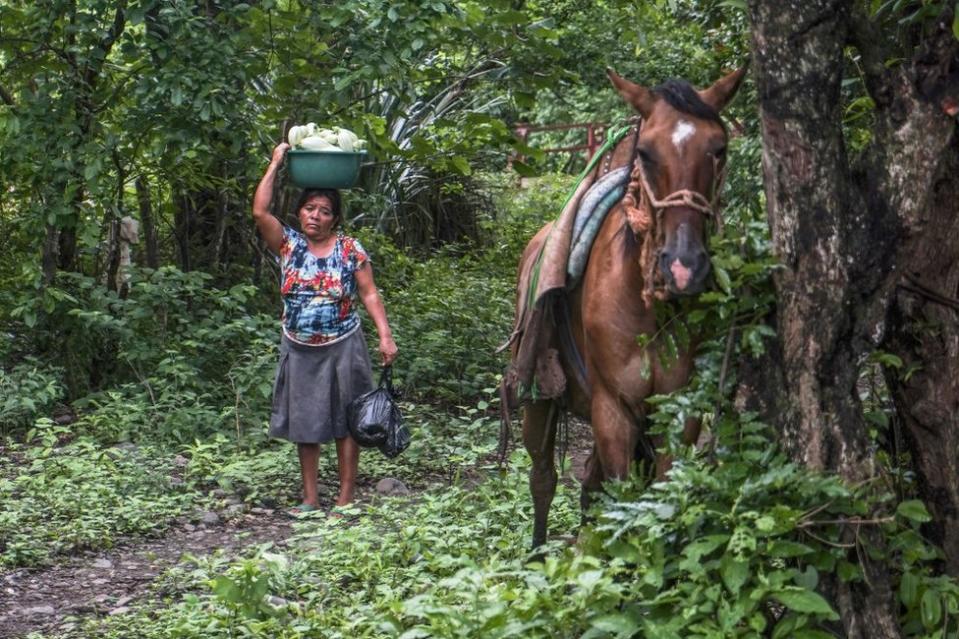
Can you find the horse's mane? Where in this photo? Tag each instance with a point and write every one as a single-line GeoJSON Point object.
{"type": "Point", "coordinates": [683, 97]}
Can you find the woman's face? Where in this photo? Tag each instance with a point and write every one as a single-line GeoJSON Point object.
{"type": "Point", "coordinates": [316, 217]}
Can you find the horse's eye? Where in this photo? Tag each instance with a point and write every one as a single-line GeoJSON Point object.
{"type": "Point", "coordinates": [719, 153]}
{"type": "Point", "coordinates": [645, 156]}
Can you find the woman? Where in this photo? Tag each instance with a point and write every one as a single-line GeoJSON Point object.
{"type": "Point", "coordinates": [324, 363]}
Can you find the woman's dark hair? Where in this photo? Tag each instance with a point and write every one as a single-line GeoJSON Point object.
{"type": "Point", "coordinates": [333, 195]}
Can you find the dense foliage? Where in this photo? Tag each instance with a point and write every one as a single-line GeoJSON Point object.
{"type": "Point", "coordinates": [128, 405]}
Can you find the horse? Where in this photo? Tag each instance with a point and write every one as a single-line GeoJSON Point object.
{"type": "Point", "coordinates": [652, 245]}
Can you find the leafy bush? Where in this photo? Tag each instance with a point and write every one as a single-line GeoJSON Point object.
{"type": "Point", "coordinates": [61, 498]}
{"type": "Point", "coordinates": [28, 391]}
{"type": "Point", "coordinates": [176, 359]}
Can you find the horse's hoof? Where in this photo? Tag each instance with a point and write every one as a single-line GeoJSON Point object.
{"type": "Point", "coordinates": [537, 554]}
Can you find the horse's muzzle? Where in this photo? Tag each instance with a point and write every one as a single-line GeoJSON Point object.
{"type": "Point", "coordinates": [685, 273]}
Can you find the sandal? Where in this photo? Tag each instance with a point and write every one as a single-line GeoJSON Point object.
{"type": "Point", "coordinates": [303, 509]}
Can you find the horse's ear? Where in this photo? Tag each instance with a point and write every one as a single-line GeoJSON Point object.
{"type": "Point", "coordinates": [639, 97]}
{"type": "Point", "coordinates": [723, 89]}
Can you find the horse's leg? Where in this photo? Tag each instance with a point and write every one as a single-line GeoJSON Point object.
{"type": "Point", "coordinates": [664, 461]}
{"type": "Point", "coordinates": [615, 436]}
{"type": "Point", "coordinates": [667, 381]}
{"type": "Point", "coordinates": [592, 484]}
{"type": "Point", "coordinates": [539, 437]}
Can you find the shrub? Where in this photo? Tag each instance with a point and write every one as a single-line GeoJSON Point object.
{"type": "Point", "coordinates": [28, 391]}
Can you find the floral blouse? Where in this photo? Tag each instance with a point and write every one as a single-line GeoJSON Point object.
{"type": "Point", "coordinates": [319, 292]}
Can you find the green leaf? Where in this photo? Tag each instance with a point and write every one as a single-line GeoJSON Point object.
{"type": "Point", "coordinates": [809, 633]}
{"type": "Point", "coordinates": [805, 601]}
{"type": "Point", "coordinates": [734, 4]}
{"type": "Point", "coordinates": [877, 417]}
{"type": "Point", "coordinates": [955, 21]}
{"type": "Point", "coordinates": [722, 278]}
{"type": "Point", "coordinates": [848, 571]}
{"type": "Point", "coordinates": [703, 546]}
{"type": "Point", "coordinates": [915, 510]}
{"type": "Point", "coordinates": [524, 169]}
{"type": "Point", "coordinates": [461, 165]}
{"type": "Point", "coordinates": [734, 573]}
{"type": "Point", "coordinates": [930, 609]}
{"type": "Point", "coordinates": [808, 579]}
{"type": "Point", "coordinates": [616, 623]}
{"type": "Point", "coordinates": [909, 589]}
{"type": "Point", "coordinates": [787, 626]}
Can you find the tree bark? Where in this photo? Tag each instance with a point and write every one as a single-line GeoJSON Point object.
{"type": "Point", "coordinates": [51, 244]}
{"type": "Point", "coordinates": [825, 237]}
{"type": "Point", "coordinates": [182, 222]}
{"type": "Point", "coordinates": [146, 220]}
{"type": "Point", "coordinates": [870, 255]}
{"type": "Point", "coordinates": [817, 231]}
{"type": "Point", "coordinates": [923, 330]}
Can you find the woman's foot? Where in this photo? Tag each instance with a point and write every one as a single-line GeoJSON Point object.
{"type": "Point", "coordinates": [303, 509]}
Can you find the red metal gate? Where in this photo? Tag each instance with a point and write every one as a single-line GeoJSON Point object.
{"type": "Point", "coordinates": [595, 132]}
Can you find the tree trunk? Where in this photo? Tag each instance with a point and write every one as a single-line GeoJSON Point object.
{"type": "Point", "coordinates": [181, 229]}
{"type": "Point", "coordinates": [147, 222]}
{"type": "Point", "coordinates": [913, 167]}
{"type": "Point", "coordinates": [85, 85]}
{"type": "Point", "coordinates": [113, 254]}
{"type": "Point", "coordinates": [51, 244]}
{"type": "Point", "coordinates": [219, 249]}
{"type": "Point", "coordinates": [846, 233]}
{"type": "Point", "coordinates": [923, 331]}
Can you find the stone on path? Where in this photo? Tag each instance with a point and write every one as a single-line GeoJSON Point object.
{"type": "Point", "coordinates": [391, 486]}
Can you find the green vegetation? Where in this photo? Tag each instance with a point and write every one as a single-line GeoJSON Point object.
{"type": "Point", "coordinates": [60, 498]}
{"type": "Point", "coordinates": [124, 404]}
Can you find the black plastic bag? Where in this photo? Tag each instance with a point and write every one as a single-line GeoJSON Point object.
{"type": "Point", "coordinates": [375, 420]}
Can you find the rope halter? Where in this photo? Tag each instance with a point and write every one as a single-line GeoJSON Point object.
{"type": "Point", "coordinates": [645, 218]}
{"type": "Point", "coordinates": [686, 197]}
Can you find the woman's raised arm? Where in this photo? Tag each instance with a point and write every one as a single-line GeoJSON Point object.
{"type": "Point", "coordinates": [270, 227]}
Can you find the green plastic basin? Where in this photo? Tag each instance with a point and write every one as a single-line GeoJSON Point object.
{"type": "Point", "coordinates": [324, 169]}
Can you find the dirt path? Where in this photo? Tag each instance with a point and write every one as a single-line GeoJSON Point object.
{"type": "Point", "coordinates": [108, 583]}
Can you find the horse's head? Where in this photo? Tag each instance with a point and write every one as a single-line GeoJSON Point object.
{"type": "Point", "coordinates": [681, 152]}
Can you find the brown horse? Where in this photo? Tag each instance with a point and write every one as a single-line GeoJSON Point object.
{"type": "Point", "coordinates": [651, 245]}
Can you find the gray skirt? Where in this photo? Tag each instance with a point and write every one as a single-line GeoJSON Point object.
{"type": "Point", "coordinates": [315, 384]}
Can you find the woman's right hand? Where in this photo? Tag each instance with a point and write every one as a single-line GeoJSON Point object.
{"type": "Point", "coordinates": [279, 152]}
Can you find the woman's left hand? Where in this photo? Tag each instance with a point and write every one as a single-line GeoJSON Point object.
{"type": "Point", "coordinates": [388, 350]}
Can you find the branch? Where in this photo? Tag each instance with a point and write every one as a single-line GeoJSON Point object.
{"type": "Point", "coordinates": [866, 36]}
{"type": "Point", "coordinates": [106, 43]}
{"type": "Point", "coordinates": [852, 521]}
{"type": "Point", "coordinates": [935, 74]}
{"type": "Point", "coordinates": [920, 289]}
